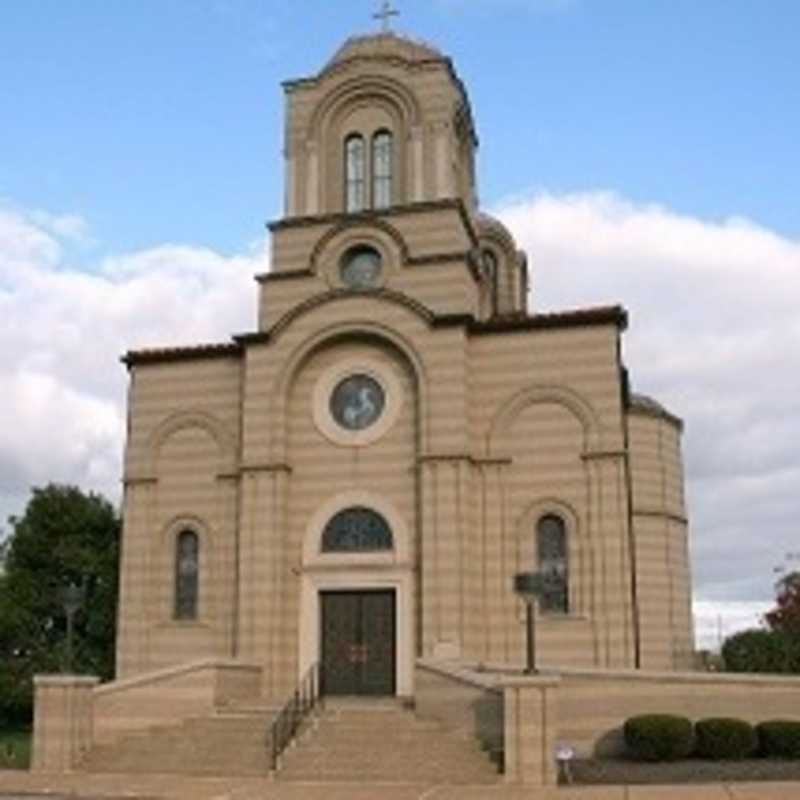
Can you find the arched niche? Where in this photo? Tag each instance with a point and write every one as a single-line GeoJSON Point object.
{"type": "Point", "coordinates": [361, 107]}
{"type": "Point", "coordinates": [561, 396]}
{"type": "Point", "coordinates": [382, 336]}
{"type": "Point", "coordinates": [187, 420]}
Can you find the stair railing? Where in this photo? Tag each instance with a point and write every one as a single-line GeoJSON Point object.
{"type": "Point", "coordinates": [305, 699]}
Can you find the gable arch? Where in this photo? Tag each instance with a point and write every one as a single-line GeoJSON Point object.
{"type": "Point", "coordinates": [182, 420]}
{"type": "Point", "coordinates": [328, 335]}
{"type": "Point", "coordinates": [356, 90]}
{"type": "Point", "coordinates": [347, 226]}
{"type": "Point", "coordinates": [400, 552]}
{"type": "Point", "coordinates": [339, 295]}
{"type": "Point", "coordinates": [578, 406]}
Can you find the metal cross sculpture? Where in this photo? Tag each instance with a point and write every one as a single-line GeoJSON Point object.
{"type": "Point", "coordinates": [385, 14]}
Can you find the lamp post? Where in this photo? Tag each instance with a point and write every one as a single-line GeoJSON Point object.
{"type": "Point", "coordinates": [529, 585]}
{"type": "Point", "coordinates": [72, 600]}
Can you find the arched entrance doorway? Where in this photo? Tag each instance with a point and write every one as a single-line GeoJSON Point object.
{"type": "Point", "coordinates": [357, 612]}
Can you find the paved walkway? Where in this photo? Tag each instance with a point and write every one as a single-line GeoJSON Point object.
{"type": "Point", "coordinates": [169, 787]}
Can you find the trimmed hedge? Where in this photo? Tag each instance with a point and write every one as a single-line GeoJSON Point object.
{"type": "Point", "coordinates": [779, 738]}
{"type": "Point", "coordinates": [724, 738]}
{"type": "Point", "coordinates": [658, 737]}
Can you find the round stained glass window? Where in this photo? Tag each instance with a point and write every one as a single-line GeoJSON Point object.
{"type": "Point", "coordinates": [356, 402]}
{"type": "Point", "coordinates": [361, 268]}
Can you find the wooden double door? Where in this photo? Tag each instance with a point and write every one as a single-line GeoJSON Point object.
{"type": "Point", "coordinates": [358, 642]}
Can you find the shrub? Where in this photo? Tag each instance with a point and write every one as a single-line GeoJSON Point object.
{"type": "Point", "coordinates": [724, 738]}
{"type": "Point", "coordinates": [779, 738]}
{"type": "Point", "coordinates": [658, 737]}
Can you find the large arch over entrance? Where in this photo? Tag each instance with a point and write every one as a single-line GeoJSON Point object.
{"type": "Point", "coordinates": [361, 597]}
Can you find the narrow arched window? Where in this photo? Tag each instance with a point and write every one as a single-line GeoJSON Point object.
{"type": "Point", "coordinates": [355, 173]}
{"type": "Point", "coordinates": [187, 574]}
{"type": "Point", "coordinates": [382, 169]}
{"type": "Point", "coordinates": [490, 271]}
{"type": "Point", "coordinates": [357, 530]}
{"type": "Point", "coordinates": [551, 551]}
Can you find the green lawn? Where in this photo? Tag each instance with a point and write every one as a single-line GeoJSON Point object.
{"type": "Point", "coordinates": [15, 749]}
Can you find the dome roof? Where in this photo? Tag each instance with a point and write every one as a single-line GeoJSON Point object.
{"type": "Point", "coordinates": [491, 226]}
{"type": "Point", "coordinates": [647, 405]}
{"type": "Point", "coordinates": [385, 45]}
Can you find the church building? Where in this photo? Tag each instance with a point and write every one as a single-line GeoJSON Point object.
{"type": "Point", "coordinates": [355, 483]}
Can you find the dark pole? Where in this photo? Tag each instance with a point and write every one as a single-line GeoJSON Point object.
{"type": "Point", "coordinates": [531, 648]}
{"type": "Point", "coordinates": [70, 618]}
{"type": "Point", "coordinates": [71, 598]}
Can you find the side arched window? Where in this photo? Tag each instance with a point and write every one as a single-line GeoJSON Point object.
{"type": "Point", "coordinates": [551, 551]}
{"type": "Point", "coordinates": [382, 146]}
{"type": "Point", "coordinates": [490, 270]}
{"type": "Point", "coordinates": [187, 574]}
{"type": "Point", "coordinates": [355, 172]}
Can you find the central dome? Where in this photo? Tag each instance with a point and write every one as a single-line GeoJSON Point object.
{"type": "Point", "coordinates": [383, 45]}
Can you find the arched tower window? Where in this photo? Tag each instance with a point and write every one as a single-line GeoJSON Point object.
{"type": "Point", "coordinates": [490, 269]}
{"type": "Point", "coordinates": [187, 574]}
{"type": "Point", "coordinates": [551, 551]}
{"type": "Point", "coordinates": [357, 530]}
{"type": "Point", "coordinates": [355, 172]}
{"type": "Point", "coordinates": [382, 146]}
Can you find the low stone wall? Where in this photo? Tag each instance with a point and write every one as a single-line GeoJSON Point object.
{"type": "Point", "coordinates": [586, 709]}
{"type": "Point", "coordinates": [62, 722]}
{"type": "Point", "coordinates": [464, 702]}
{"type": "Point", "coordinates": [74, 713]}
{"type": "Point", "coordinates": [594, 705]}
{"type": "Point", "coordinates": [171, 695]}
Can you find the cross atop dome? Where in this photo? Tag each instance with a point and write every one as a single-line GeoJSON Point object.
{"type": "Point", "coordinates": [385, 14]}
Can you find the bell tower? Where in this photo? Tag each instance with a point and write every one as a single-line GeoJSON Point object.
{"type": "Point", "coordinates": [385, 123]}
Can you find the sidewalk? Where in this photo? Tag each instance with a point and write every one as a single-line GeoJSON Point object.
{"type": "Point", "coordinates": [171, 787]}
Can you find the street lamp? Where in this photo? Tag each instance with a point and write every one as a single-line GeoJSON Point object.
{"type": "Point", "coordinates": [72, 600]}
{"type": "Point", "coordinates": [529, 586]}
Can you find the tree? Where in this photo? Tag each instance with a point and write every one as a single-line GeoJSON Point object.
{"type": "Point", "coordinates": [764, 651]}
{"type": "Point", "coordinates": [64, 537]}
{"type": "Point", "coordinates": [785, 617]}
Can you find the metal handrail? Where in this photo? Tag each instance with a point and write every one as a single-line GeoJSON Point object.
{"type": "Point", "coordinates": [304, 700]}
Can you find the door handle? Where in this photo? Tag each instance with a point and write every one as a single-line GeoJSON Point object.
{"type": "Point", "coordinates": [358, 654]}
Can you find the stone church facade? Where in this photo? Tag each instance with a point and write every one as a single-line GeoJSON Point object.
{"type": "Point", "coordinates": [357, 482]}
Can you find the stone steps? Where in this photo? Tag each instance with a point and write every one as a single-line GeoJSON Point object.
{"type": "Point", "coordinates": [384, 743]}
{"type": "Point", "coordinates": [231, 744]}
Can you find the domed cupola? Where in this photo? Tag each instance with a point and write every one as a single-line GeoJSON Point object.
{"type": "Point", "coordinates": [385, 123]}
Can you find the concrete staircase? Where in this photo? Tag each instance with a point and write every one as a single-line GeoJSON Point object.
{"type": "Point", "coordinates": [225, 744]}
{"type": "Point", "coordinates": [381, 741]}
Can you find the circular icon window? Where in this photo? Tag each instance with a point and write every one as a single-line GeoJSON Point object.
{"type": "Point", "coordinates": [361, 268]}
{"type": "Point", "coordinates": [356, 402]}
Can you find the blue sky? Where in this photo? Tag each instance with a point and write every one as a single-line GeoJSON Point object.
{"type": "Point", "coordinates": [160, 120]}
{"type": "Point", "coordinates": [642, 151]}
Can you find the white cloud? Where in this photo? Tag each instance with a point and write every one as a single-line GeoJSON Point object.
{"type": "Point", "coordinates": [715, 334]}
{"type": "Point", "coordinates": [714, 622]}
{"type": "Point", "coordinates": [63, 329]}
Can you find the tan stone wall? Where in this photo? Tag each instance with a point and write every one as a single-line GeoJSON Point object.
{"type": "Point", "coordinates": [593, 708]}
{"type": "Point", "coordinates": [63, 727]}
{"type": "Point", "coordinates": [170, 696]}
{"type": "Point", "coordinates": [467, 707]}
{"type": "Point", "coordinates": [586, 709]}
{"type": "Point", "coordinates": [662, 557]}
{"type": "Point", "coordinates": [545, 408]}
{"type": "Point", "coordinates": [181, 472]}
{"type": "Point", "coordinates": [412, 241]}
